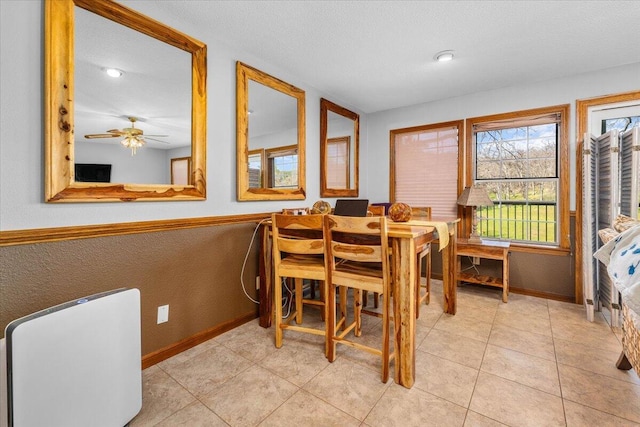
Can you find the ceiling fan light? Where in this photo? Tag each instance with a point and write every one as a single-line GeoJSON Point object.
{"type": "Point", "coordinates": [443, 56]}
{"type": "Point", "coordinates": [113, 72]}
{"type": "Point", "coordinates": [133, 142]}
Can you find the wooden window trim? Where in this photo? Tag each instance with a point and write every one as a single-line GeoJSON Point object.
{"type": "Point", "coordinates": [563, 153]}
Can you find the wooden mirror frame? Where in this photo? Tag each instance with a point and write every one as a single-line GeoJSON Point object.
{"type": "Point", "coordinates": [60, 185]}
{"type": "Point", "coordinates": [325, 107]}
{"type": "Point", "coordinates": [244, 73]}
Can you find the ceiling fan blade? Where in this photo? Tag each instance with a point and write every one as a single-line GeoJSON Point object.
{"type": "Point", "coordinates": [156, 140]}
{"type": "Point", "coordinates": [101, 135]}
{"type": "Point", "coordinates": [157, 136]}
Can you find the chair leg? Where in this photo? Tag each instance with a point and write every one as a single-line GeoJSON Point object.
{"type": "Point", "coordinates": [331, 322]}
{"type": "Point", "coordinates": [343, 307]}
{"type": "Point", "coordinates": [428, 277]}
{"type": "Point", "coordinates": [357, 311]}
{"type": "Point", "coordinates": [323, 297]}
{"type": "Point", "coordinates": [385, 337]}
{"type": "Point", "coordinates": [298, 293]}
{"type": "Point", "coordinates": [277, 303]}
{"type": "Point", "coordinates": [418, 286]}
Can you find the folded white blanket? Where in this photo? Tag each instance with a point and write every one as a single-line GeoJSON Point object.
{"type": "Point", "coordinates": [621, 255]}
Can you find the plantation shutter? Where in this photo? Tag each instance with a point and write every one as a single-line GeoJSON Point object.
{"type": "Point", "coordinates": [590, 225]}
{"type": "Point", "coordinates": [630, 173]}
{"type": "Point", "coordinates": [426, 170]}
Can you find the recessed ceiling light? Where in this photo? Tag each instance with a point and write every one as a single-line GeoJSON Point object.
{"type": "Point", "coordinates": [445, 55]}
{"type": "Point", "coordinates": [113, 72]}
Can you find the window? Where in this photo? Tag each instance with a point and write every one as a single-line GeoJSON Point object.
{"type": "Point", "coordinates": [256, 160]}
{"type": "Point", "coordinates": [282, 167]}
{"type": "Point", "coordinates": [620, 123]}
{"type": "Point", "coordinates": [521, 159]}
{"type": "Point", "coordinates": [424, 167]}
{"type": "Point", "coordinates": [338, 162]}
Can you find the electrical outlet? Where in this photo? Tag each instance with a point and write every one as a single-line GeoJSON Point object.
{"type": "Point", "coordinates": [476, 260]}
{"type": "Point", "coordinates": [163, 314]}
{"type": "Point", "coordinates": [257, 283]}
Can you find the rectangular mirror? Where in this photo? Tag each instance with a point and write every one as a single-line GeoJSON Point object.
{"type": "Point", "coordinates": [270, 137]}
{"type": "Point", "coordinates": [152, 110]}
{"type": "Point", "coordinates": [339, 140]}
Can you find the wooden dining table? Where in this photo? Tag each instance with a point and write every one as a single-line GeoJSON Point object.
{"type": "Point", "coordinates": [404, 238]}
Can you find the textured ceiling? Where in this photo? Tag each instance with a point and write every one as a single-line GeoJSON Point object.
{"type": "Point", "coordinates": [378, 55]}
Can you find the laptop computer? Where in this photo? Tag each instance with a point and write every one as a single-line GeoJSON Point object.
{"type": "Point", "coordinates": [351, 207]}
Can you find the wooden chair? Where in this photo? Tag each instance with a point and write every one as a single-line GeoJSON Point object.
{"type": "Point", "coordinates": [298, 253]}
{"type": "Point", "coordinates": [357, 257]}
{"type": "Point", "coordinates": [375, 210]}
{"type": "Point", "coordinates": [296, 211]}
{"type": "Point", "coordinates": [422, 252]}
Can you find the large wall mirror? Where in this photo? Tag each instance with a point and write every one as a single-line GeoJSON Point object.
{"type": "Point", "coordinates": [270, 137]}
{"type": "Point", "coordinates": [125, 96]}
{"type": "Point", "coordinates": [339, 140]}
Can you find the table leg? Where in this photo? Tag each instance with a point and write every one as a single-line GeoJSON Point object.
{"type": "Point", "coordinates": [505, 277]}
{"type": "Point", "coordinates": [266, 292]}
{"type": "Point", "coordinates": [404, 310]}
{"type": "Point", "coordinates": [449, 267]}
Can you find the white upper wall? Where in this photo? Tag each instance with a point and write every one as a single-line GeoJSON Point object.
{"type": "Point", "coordinates": [542, 94]}
{"type": "Point", "coordinates": [22, 203]}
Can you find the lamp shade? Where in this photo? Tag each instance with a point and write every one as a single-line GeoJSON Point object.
{"type": "Point", "coordinates": [474, 196]}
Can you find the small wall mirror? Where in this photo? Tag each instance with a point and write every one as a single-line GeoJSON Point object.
{"type": "Point", "coordinates": [339, 140]}
{"type": "Point", "coordinates": [137, 133]}
{"type": "Point", "coordinates": [270, 137]}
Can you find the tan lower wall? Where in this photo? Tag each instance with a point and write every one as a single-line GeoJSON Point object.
{"type": "Point", "coordinates": [195, 271]}
{"type": "Point", "coordinates": [551, 275]}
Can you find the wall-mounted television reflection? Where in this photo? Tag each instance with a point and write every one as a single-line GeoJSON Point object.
{"type": "Point", "coordinates": [91, 172]}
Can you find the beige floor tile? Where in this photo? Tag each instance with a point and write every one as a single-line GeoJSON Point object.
{"type": "Point", "coordinates": [524, 321]}
{"type": "Point", "coordinates": [515, 404]}
{"type": "Point", "coordinates": [523, 341]}
{"type": "Point", "coordinates": [161, 397]}
{"type": "Point", "coordinates": [478, 313]}
{"type": "Point", "coordinates": [476, 420]}
{"type": "Point", "coordinates": [526, 304]}
{"type": "Point", "coordinates": [194, 415]}
{"type": "Point", "coordinates": [187, 354]}
{"type": "Point", "coordinates": [456, 348]}
{"type": "Point", "coordinates": [305, 409]}
{"type": "Point", "coordinates": [267, 391]}
{"type": "Point", "coordinates": [466, 327]}
{"type": "Point", "coordinates": [349, 386]}
{"type": "Point", "coordinates": [413, 407]}
{"type": "Point", "coordinates": [592, 359]}
{"type": "Point", "coordinates": [600, 392]}
{"type": "Point", "coordinates": [593, 334]}
{"type": "Point", "coordinates": [580, 416]}
{"type": "Point", "coordinates": [449, 380]}
{"type": "Point", "coordinates": [203, 373]}
{"type": "Point", "coordinates": [296, 361]}
{"type": "Point", "coordinates": [250, 341]}
{"type": "Point", "coordinates": [479, 296]}
{"type": "Point", "coordinates": [532, 371]}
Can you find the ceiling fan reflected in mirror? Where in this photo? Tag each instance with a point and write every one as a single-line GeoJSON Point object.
{"type": "Point", "coordinates": [133, 137]}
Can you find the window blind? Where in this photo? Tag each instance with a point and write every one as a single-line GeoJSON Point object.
{"type": "Point", "coordinates": [426, 168]}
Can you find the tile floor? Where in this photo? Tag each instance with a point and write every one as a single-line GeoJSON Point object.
{"type": "Point", "coordinates": [530, 362]}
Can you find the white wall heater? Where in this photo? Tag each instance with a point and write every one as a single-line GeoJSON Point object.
{"type": "Point", "coordinates": [75, 364]}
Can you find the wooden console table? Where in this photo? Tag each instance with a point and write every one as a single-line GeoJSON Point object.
{"type": "Point", "coordinates": [488, 250]}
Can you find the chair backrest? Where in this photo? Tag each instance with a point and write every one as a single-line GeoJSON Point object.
{"type": "Point", "coordinates": [421, 211]}
{"type": "Point", "coordinates": [296, 211]}
{"type": "Point", "coordinates": [357, 239]}
{"type": "Point", "coordinates": [375, 210]}
{"type": "Point", "coordinates": [297, 234]}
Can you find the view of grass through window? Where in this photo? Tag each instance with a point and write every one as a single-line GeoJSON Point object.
{"type": "Point", "coordinates": [519, 168]}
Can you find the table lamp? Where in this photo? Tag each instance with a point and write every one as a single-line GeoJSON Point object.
{"type": "Point", "coordinates": [474, 197]}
